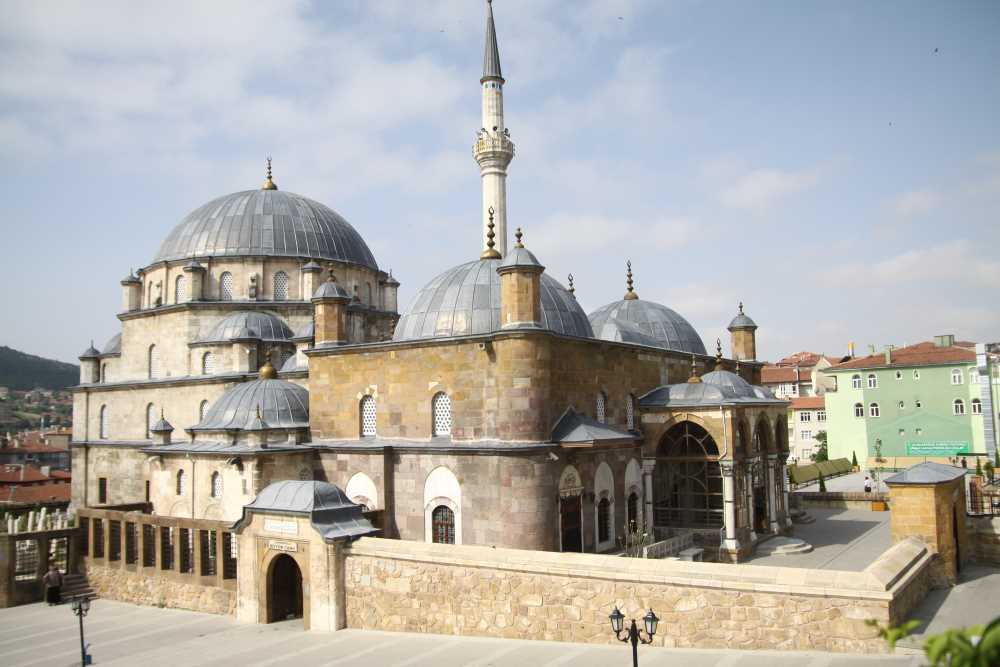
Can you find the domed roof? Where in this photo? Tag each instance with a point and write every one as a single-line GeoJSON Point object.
{"type": "Point", "coordinates": [261, 325]}
{"type": "Point", "coordinates": [716, 388]}
{"type": "Point", "coordinates": [465, 300]}
{"type": "Point", "coordinates": [742, 321]}
{"type": "Point", "coordinates": [664, 326]}
{"type": "Point", "coordinates": [729, 380]}
{"type": "Point", "coordinates": [271, 223]}
{"type": "Point", "coordinates": [282, 405]}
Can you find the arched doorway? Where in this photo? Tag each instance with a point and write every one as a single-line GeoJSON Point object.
{"type": "Point", "coordinates": [687, 483]}
{"type": "Point", "coordinates": [284, 589]}
{"type": "Point", "coordinates": [570, 511]}
{"type": "Point", "coordinates": [759, 478]}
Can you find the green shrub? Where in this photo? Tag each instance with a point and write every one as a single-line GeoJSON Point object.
{"type": "Point", "coordinates": [979, 467]}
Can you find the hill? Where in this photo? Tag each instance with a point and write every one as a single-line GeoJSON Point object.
{"type": "Point", "coordinates": [24, 372]}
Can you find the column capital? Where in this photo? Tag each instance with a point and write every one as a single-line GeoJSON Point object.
{"type": "Point", "coordinates": [648, 465]}
{"type": "Point", "coordinates": [728, 468]}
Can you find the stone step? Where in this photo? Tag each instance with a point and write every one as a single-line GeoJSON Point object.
{"type": "Point", "coordinates": [76, 585]}
{"type": "Point", "coordinates": [801, 516]}
{"type": "Point", "coordinates": [783, 546]}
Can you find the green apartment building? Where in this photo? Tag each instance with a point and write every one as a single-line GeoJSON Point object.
{"type": "Point", "coordinates": [930, 400]}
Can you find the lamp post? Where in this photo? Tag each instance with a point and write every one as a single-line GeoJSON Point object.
{"type": "Point", "coordinates": [81, 606]}
{"type": "Point", "coordinates": [632, 633]}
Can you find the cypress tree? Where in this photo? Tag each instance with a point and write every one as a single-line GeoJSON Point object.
{"type": "Point", "coordinates": [854, 459]}
{"type": "Point", "coordinates": [822, 484]}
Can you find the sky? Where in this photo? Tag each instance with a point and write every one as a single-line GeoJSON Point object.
{"type": "Point", "coordinates": [835, 166]}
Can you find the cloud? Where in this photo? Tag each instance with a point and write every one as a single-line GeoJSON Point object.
{"type": "Point", "coordinates": [914, 203]}
{"type": "Point", "coordinates": [583, 234]}
{"type": "Point", "coordinates": [759, 189]}
{"type": "Point", "coordinates": [945, 266]}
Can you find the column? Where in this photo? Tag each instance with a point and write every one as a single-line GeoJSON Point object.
{"type": "Point", "coordinates": [729, 543]}
{"type": "Point", "coordinates": [648, 466]}
{"type": "Point", "coordinates": [772, 510]}
{"type": "Point", "coordinates": [783, 470]}
{"type": "Point", "coordinates": [752, 510]}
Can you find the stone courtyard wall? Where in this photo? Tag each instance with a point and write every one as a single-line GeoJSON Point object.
{"type": "Point", "coordinates": [464, 590]}
{"type": "Point", "coordinates": [153, 591]}
{"type": "Point", "coordinates": [984, 533]}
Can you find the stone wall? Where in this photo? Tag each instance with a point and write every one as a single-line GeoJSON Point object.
{"type": "Point", "coordinates": [984, 533]}
{"type": "Point", "coordinates": [403, 586]}
{"type": "Point", "coordinates": [847, 500]}
{"type": "Point", "coordinates": [142, 588]}
{"type": "Point", "coordinates": [936, 515]}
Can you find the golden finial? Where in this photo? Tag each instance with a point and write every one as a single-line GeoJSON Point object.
{"type": "Point", "coordinates": [267, 372]}
{"type": "Point", "coordinates": [572, 290]}
{"type": "Point", "coordinates": [268, 183]}
{"type": "Point", "coordinates": [630, 295]}
{"type": "Point", "coordinates": [490, 252]}
{"type": "Point", "coordinates": [741, 307]}
{"type": "Point", "coordinates": [518, 235]}
{"type": "Point", "coordinates": [694, 379]}
{"type": "Point", "coordinates": [737, 366]}
{"type": "Point", "coordinates": [718, 354]}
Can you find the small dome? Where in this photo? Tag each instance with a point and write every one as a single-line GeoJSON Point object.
{"type": "Point", "coordinates": [742, 321]}
{"type": "Point", "coordinates": [330, 290]}
{"type": "Point", "coordinates": [521, 258]}
{"type": "Point", "coordinates": [731, 381]}
{"type": "Point", "coordinates": [465, 300]}
{"type": "Point", "coordinates": [113, 346]}
{"type": "Point", "coordinates": [282, 405]}
{"type": "Point", "coordinates": [260, 325]}
{"type": "Point", "coordinates": [161, 426]}
{"type": "Point", "coordinates": [268, 223]}
{"type": "Point", "coordinates": [90, 353]}
{"type": "Point", "coordinates": [666, 327]}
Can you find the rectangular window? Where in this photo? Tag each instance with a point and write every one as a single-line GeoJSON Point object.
{"type": "Point", "coordinates": [102, 490]}
{"type": "Point", "coordinates": [148, 546]}
{"type": "Point", "coordinates": [166, 548]}
{"type": "Point", "coordinates": [805, 416]}
{"type": "Point", "coordinates": [187, 550]}
{"type": "Point", "coordinates": [114, 540]}
{"type": "Point", "coordinates": [85, 533]}
{"type": "Point", "coordinates": [207, 544]}
{"type": "Point", "coordinates": [25, 560]}
{"type": "Point", "coordinates": [130, 540]}
{"type": "Point", "coordinates": [147, 490]}
{"type": "Point", "coordinates": [807, 435]}
{"type": "Point", "coordinates": [229, 551]}
{"type": "Point", "coordinates": [98, 546]}
{"type": "Point", "coordinates": [821, 415]}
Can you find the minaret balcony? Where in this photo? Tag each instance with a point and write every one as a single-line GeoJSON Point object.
{"type": "Point", "coordinates": [493, 145]}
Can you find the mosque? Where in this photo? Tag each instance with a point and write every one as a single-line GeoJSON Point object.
{"type": "Point", "coordinates": [263, 344]}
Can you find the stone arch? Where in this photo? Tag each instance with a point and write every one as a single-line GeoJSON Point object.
{"type": "Point", "coordinates": [266, 583]}
{"type": "Point", "coordinates": [361, 490]}
{"type": "Point", "coordinates": [762, 435]}
{"type": "Point", "coordinates": [687, 488]}
{"type": "Point", "coordinates": [634, 487]}
{"type": "Point", "coordinates": [780, 435]}
{"type": "Point", "coordinates": [652, 444]}
{"type": "Point", "coordinates": [442, 488]}
{"type": "Point", "coordinates": [604, 507]}
{"type": "Point", "coordinates": [570, 510]}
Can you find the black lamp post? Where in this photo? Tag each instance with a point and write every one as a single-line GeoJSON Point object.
{"type": "Point", "coordinates": [80, 607]}
{"type": "Point", "coordinates": [632, 633]}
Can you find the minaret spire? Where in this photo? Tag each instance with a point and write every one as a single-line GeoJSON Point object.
{"type": "Point", "coordinates": [493, 149]}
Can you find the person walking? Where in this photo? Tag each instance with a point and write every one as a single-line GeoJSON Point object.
{"type": "Point", "coordinates": [868, 484]}
{"type": "Point", "coordinates": [53, 581]}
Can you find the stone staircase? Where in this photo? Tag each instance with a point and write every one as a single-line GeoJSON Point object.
{"type": "Point", "coordinates": [801, 516]}
{"type": "Point", "coordinates": [783, 546]}
{"type": "Point", "coordinates": [76, 585]}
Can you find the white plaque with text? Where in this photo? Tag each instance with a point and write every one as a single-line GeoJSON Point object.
{"type": "Point", "coordinates": [281, 526]}
{"type": "Point", "coordinates": [277, 545]}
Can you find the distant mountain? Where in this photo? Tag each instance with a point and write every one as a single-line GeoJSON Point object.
{"type": "Point", "coordinates": [26, 371]}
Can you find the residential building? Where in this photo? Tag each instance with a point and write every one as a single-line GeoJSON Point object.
{"type": "Point", "coordinates": [806, 418]}
{"type": "Point", "coordinates": [799, 375]}
{"type": "Point", "coordinates": [934, 399]}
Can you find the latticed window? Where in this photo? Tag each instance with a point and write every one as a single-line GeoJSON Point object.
{"type": "Point", "coordinates": [59, 552]}
{"type": "Point", "coordinates": [103, 428]}
{"type": "Point", "coordinates": [181, 482]}
{"type": "Point", "coordinates": [216, 485]}
{"type": "Point", "coordinates": [630, 411]}
{"type": "Point", "coordinates": [603, 520]}
{"type": "Point", "coordinates": [632, 507]}
{"type": "Point", "coordinates": [202, 410]}
{"type": "Point", "coordinates": [230, 550]}
{"type": "Point", "coordinates": [167, 548]}
{"type": "Point", "coordinates": [443, 525]}
{"type": "Point", "coordinates": [187, 550]}
{"type": "Point", "coordinates": [130, 542]}
{"type": "Point", "coordinates": [280, 286]}
{"type": "Point", "coordinates": [180, 289]}
{"type": "Point", "coordinates": [154, 362]}
{"type": "Point", "coordinates": [114, 540]}
{"type": "Point", "coordinates": [226, 286]}
{"type": "Point", "coordinates": [208, 363]}
{"type": "Point", "coordinates": [441, 405]}
{"type": "Point", "coordinates": [601, 409]}
{"type": "Point", "coordinates": [150, 420]}
{"type": "Point", "coordinates": [25, 560]}
{"type": "Point", "coordinates": [209, 552]}
{"type": "Point", "coordinates": [98, 538]}
{"type": "Point", "coordinates": [148, 545]}
{"type": "Point", "coordinates": [368, 417]}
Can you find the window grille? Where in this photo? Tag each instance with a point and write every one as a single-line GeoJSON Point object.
{"type": "Point", "coordinates": [180, 289]}
{"type": "Point", "coordinates": [98, 538]}
{"type": "Point", "coordinates": [202, 409]}
{"type": "Point", "coordinates": [873, 410]}
{"type": "Point", "coordinates": [180, 482]}
{"type": "Point", "coordinates": [85, 534]}
{"type": "Point", "coordinates": [368, 417]}
{"type": "Point", "coordinates": [688, 479]}
{"type": "Point", "coordinates": [216, 485]}
{"type": "Point", "coordinates": [603, 520]}
{"type": "Point", "coordinates": [148, 546]}
{"type": "Point", "coordinates": [958, 407]}
{"type": "Point", "coordinates": [104, 423]}
{"type": "Point", "coordinates": [443, 525]}
{"type": "Point", "coordinates": [187, 550]}
{"type": "Point", "coordinates": [25, 560]}
{"type": "Point", "coordinates": [280, 286]}
{"type": "Point", "coordinates": [230, 549]}
{"type": "Point", "coordinates": [209, 553]}
{"type": "Point", "coordinates": [166, 547]}
{"type": "Point", "coordinates": [226, 286]}
{"type": "Point", "coordinates": [977, 407]}
{"type": "Point", "coordinates": [630, 412]}
{"type": "Point", "coordinates": [154, 362]}
{"type": "Point", "coordinates": [208, 364]}
{"type": "Point", "coordinates": [58, 552]}
{"type": "Point", "coordinates": [859, 410]}
{"type": "Point", "coordinates": [872, 381]}
{"type": "Point", "coordinates": [150, 420]}
{"type": "Point", "coordinates": [441, 405]}
{"type": "Point", "coordinates": [114, 540]}
{"type": "Point", "coordinates": [601, 411]}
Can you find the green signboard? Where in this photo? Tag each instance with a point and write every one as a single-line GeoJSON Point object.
{"type": "Point", "coordinates": [947, 448]}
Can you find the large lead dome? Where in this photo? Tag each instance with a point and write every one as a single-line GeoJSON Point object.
{"type": "Point", "coordinates": [465, 300]}
{"type": "Point", "coordinates": [662, 326]}
{"type": "Point", "coordinates": [270, 223]}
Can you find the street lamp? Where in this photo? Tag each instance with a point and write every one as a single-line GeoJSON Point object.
{"type": "Point", "coordinates": [632, 633]}
{"type": "Point", "coordinates": [81, 605]}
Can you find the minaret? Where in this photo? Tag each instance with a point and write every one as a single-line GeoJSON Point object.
{"type": "Point", "coordinates": [493, 150]}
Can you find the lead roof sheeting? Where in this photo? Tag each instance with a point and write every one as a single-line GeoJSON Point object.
{"type": "Point", "coordinates": [927, 473]}
{"type": "Point", "coordinates": [269, 326]}
{"type": "Point", "coordinates": [282, 405]}
{"type": "Point", "coordinates": [666, 326]}
{"type": "Point", "coordinates": [269, 223]}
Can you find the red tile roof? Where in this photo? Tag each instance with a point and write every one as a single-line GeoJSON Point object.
{"type": "Point", "coordinates": [808, 403]}
{"type": "Point", "coordinates": [776, 374]}
{"type": "Point", "coordinates": [39, 493]}
{"type": "Point", "coordinates": [920, 354]}
{"type": "Point", "coordinates": [16, 473]}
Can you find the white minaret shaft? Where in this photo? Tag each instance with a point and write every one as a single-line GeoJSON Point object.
{"type": "Point", "coordinates": [493, 150]}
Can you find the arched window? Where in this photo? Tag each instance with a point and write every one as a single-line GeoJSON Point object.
{"type": "Point", "coordinates": [150, 420]}
{"type": "Point", "coordinates": [226, 286]}
{"type": "Point", "coordinates": [367, 409]}
{"type": "Point", "coordinates": [360, 489]}
{"type": "Point", "coordinates": [873, 410]}
{"type": "Point", "coordinates": [902, 405]}
{"type": "Point", "coordinates": [956, 376]}
{"type": "Point", "coordinates": [443, 524]}
{"type": "Point", "coordinates": [181, 482]}
{"type": "Point", "coordinates": [916, 374]}
{"type": "Point", "coordinates": [630, 412]}
{"type": "Point", "coordinates": [441, 407]}
{"type": "Point", "coordinates": [202, 410]}
{"type": "Point", "coordinates": [180, 289]}
{"type": "Point", "coordinates": [973, 376]}
{"type": "Point", "coordinates": [104, 372]}
{"type": "Point", "coordinates": [103, 423]}
{"type": "Point", "coordinates": [280, 286]}
{"type": "Point", "coordinates": [899, 375]}
{"type": "Point", "coordinates": [208, 364]}
{"type": "Point", "coordinates": [216, 485]}
{"type": "Point", "coordinates": [601, 408]}
{"type": "Point", "coordinates": [149, 297]}
{"type": "Point", "coordinates": [856, 382]}
{"type": "Point", "coordinates": [958, 407]}
{"type": "Point", "coordinates": [859, 410]}
{"type": "Point", "coordinates": [977, 407]}
{"type": "Point", "coordinates": [603, 520]}
{"type": "Point", "coordinates": [688, 479]}
{"type": "Point", "coordinates": [632, 507]}
{"type": "Point", "coordinates": [154, 362]}
{"type": "Point", "coordinates": [872, 381]}
{"type": "Point", "coordinates": [371, 302]}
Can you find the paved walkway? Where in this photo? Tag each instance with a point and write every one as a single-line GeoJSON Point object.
{"type": "Point", "coordinates": [126, 635]}
{"type": "Point", "coordinates": [842, 540]}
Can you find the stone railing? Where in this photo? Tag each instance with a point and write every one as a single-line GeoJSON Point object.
{"type": "Point", "coordinates": [164, 561]}
{"type": "Point", "coordinates": [670, 546]}
{"type": "Point", "coordinates": [25, 557]}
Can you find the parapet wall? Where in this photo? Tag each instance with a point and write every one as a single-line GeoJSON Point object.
{"type": "Point", "coordinates": [985, 534]}
{"type": "Point", "coordinates": [470, 590]}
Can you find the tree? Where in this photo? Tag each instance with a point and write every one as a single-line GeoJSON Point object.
{"type": "Point", "coordinates": [979, 467]}
{"type": "Point", "coordinates": [854, 459]}
{"type": "Point", "coordinates": [989, 471]}
{"type": "Point", "coordinates": [822, 484]}
{"type": "Point", "coordinates": [822, 453]}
